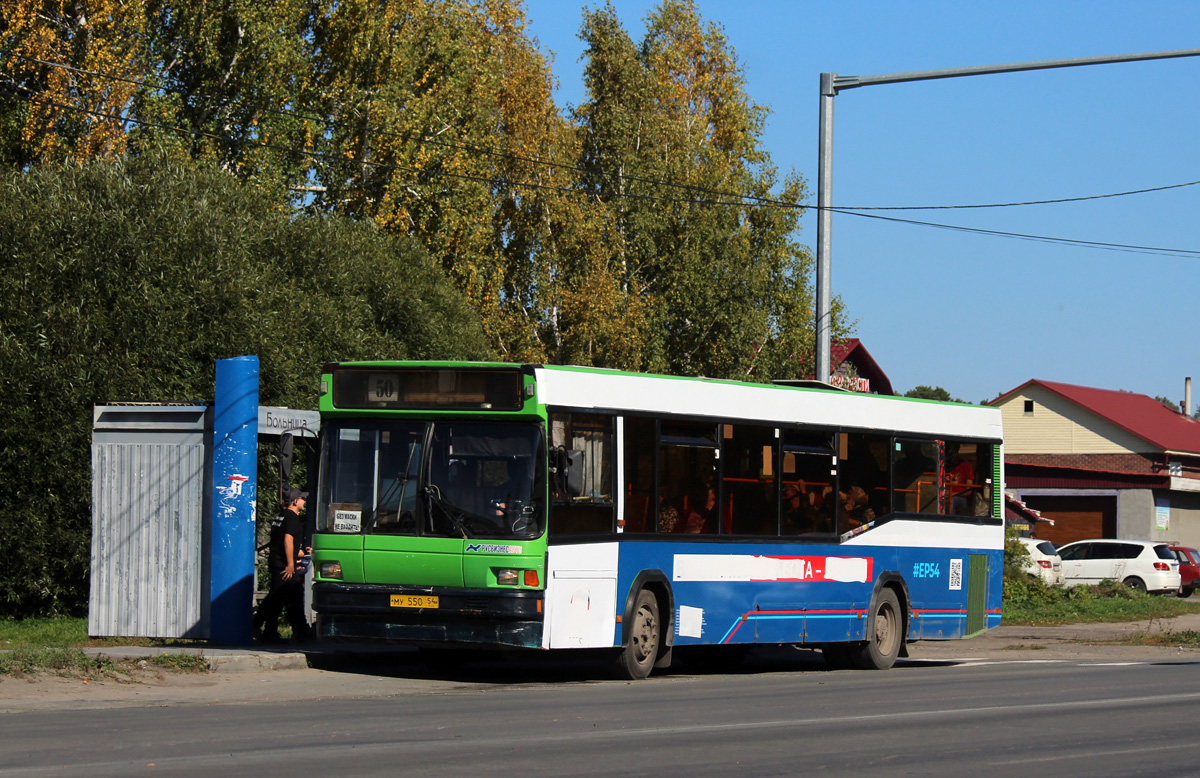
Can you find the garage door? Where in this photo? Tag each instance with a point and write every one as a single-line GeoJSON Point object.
{"type": "Point", "coordinates": [1075, 518]}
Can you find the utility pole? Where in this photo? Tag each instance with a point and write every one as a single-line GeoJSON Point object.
{"type": "Point", "coordinates": [831, 84]}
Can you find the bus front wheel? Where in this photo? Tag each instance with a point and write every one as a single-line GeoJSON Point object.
{"type": "Point", "coordinates": [884, 634]}
{"type": "Point", "coordinates": [636, 658]}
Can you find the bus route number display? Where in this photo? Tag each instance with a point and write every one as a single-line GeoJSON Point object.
{"type": "Point", "coordinates": [382, 387]}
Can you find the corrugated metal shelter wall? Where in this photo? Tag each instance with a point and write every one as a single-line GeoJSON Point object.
{"type": "Point", "coordinates": [150, 468]}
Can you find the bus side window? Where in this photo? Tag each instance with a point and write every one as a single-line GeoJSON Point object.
{"type": "Point", "coordinates": [967, 479]}
{"type": "Point", "coordinates": [640, 515]}
{"type": "Point", "coordinates": [863, 480]}
{"type": "Point", "coordinates": [593, 511]}
{"type": "Point", "coordinates": [915, 476]}
{"type": "Point", "coordinates": [687, 478]}
{"type": "Point", "coordinates": [807, 498]}
{"type": "Point", "coordinates": [748, 476]}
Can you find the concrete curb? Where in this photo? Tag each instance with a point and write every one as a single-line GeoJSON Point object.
{"type": "Point", "coordinates": [220, 660]}
{"type": "Point", "coordinates": [252, 663]}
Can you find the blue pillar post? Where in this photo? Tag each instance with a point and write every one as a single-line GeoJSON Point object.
{"type": "Point", "coordinates": [235, 460]}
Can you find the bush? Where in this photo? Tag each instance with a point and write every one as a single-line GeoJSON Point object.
{"type": "Point", "coordinates": [126, 281]}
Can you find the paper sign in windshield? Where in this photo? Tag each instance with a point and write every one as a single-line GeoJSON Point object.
{"type": "Point", "coordinates": [347, 521]}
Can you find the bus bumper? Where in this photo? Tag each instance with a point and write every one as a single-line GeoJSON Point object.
{"type": "Point", "coordinates": [476, 617]}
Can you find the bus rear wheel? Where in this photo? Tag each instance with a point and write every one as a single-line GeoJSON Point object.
{"type": "Point", "coordinates": [884, 634]}
{"type": "Point", "coordinates": [636, 658]}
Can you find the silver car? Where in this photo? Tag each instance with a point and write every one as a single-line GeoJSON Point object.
{"type": "Point", "coordinates": [1140, 564]}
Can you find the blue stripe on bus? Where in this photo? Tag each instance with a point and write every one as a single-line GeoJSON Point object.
{"type": "Point", "coordinates": [957, 614]}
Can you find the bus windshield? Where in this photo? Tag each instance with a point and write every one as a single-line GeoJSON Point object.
{"type": "Point", "coordinates": [466, 479]}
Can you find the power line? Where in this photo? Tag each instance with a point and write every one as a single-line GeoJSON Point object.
{"type": "Point", "coordinates": [1039, 238]}
{"type": "Point", "coordinates": [844, 208]}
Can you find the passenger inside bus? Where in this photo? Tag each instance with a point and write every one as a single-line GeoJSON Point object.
{"type": "Point", "coordinates": [700, 510]}
{"type": "Point", "coordinates": [801, 515]}
{"type": "Point", "coordinates": [855, 508]}
{"type": "Point", "coordinates": [960, 480]}
{"type": "Point", "coordinates": [668, 516]}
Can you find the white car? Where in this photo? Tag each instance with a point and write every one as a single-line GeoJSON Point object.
{"type": "Point", "coordinates": [1044, 561]}
{"type": "Point", "coordinates": [1140, 564]}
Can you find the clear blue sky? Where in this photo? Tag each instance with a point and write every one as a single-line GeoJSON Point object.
{"type": "Point", "coordinates": [981, 315]}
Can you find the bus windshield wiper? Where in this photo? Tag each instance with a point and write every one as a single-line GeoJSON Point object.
{"type": "Point", "coordinates": [398, 483]}
{"type": "Point", "coordinates": [455, 515]}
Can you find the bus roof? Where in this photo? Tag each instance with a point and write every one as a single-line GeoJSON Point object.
{"type": "Point", "coordinates": [599, 389]}
{"type": "Point", "coordinates": [603, 389]}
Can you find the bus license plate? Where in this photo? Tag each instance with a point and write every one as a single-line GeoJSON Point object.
{"type": "Point", "coordinates": [414, 601]}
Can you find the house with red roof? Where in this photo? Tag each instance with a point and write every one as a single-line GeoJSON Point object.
{"type": "Point", "coordinates": [1101, 463]}
{"type": "Point", "coordinates": [855, 369]}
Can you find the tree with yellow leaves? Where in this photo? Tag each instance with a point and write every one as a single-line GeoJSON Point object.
{"type": "Point", "coordinates": [64, 112]}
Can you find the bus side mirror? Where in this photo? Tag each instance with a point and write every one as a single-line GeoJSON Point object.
{"type": "Point", "coordinates": [567, 471]}
{"type": "Point", "coordinates": [286, 446]}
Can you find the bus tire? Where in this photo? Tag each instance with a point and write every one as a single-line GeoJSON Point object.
{"type": "Point", "coordinates": [636, 658]}
{"type": "Point", "coordinates": [885, 634]}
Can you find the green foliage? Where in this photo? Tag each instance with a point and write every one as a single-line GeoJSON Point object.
{"type": "Point", "coordinates": [1015, 555]}
{"type": "Point", "coordinates": [126, 281]}
{"type": "Point", "coordinates": [1030, 601]}
{"type": "Point", "coordinates": [1167, 401]}
{"type": "Point", "coordinates": [612, 234]}
{"type": "Point", "coordinates": [724, 285]}
{"type": "Point", "coordinates": [924, 392]}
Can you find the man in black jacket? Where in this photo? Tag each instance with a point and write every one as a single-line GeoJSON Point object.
{"type": "Point", "coordinates": [287, 557]}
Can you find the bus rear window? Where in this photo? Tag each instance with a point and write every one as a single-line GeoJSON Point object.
{"type": "Point", "coordinates": [427, 388]}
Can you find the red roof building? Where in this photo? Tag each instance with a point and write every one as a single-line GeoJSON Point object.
{"type": "Point", "coordinates": [1102, 463]}
{"type": "Point", "coordinates": [855, 369]}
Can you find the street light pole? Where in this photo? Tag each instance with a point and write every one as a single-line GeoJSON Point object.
{"type": "Point", "coordinates": [831, 84]}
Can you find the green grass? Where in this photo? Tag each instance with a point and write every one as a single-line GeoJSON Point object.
{"type": "Point", "coordinates": [54, 646]}
{"type": "Point", "coordinates": [1033, 603]}
{"type": "Point", "coordinates": [55, 661]}
{"type": "Point", "coordinates": [40, 633]}
{"type": "Point", "coordinates": [65, 632]}
{"type": "Point", "coordinates": [1188, 638]}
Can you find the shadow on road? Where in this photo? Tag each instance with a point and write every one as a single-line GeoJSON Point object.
{"type": "Point", "coordinates": [575, 666]}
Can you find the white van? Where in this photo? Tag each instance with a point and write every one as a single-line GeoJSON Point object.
{"type": "Point", "coordinates": [1140, 564]}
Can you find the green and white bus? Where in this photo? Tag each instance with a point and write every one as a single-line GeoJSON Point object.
{"type": "Point", "coordinates": [480, 505]}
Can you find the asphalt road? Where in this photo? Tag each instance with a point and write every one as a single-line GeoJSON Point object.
{"type": "Point", "coordinates": [783, 715]}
